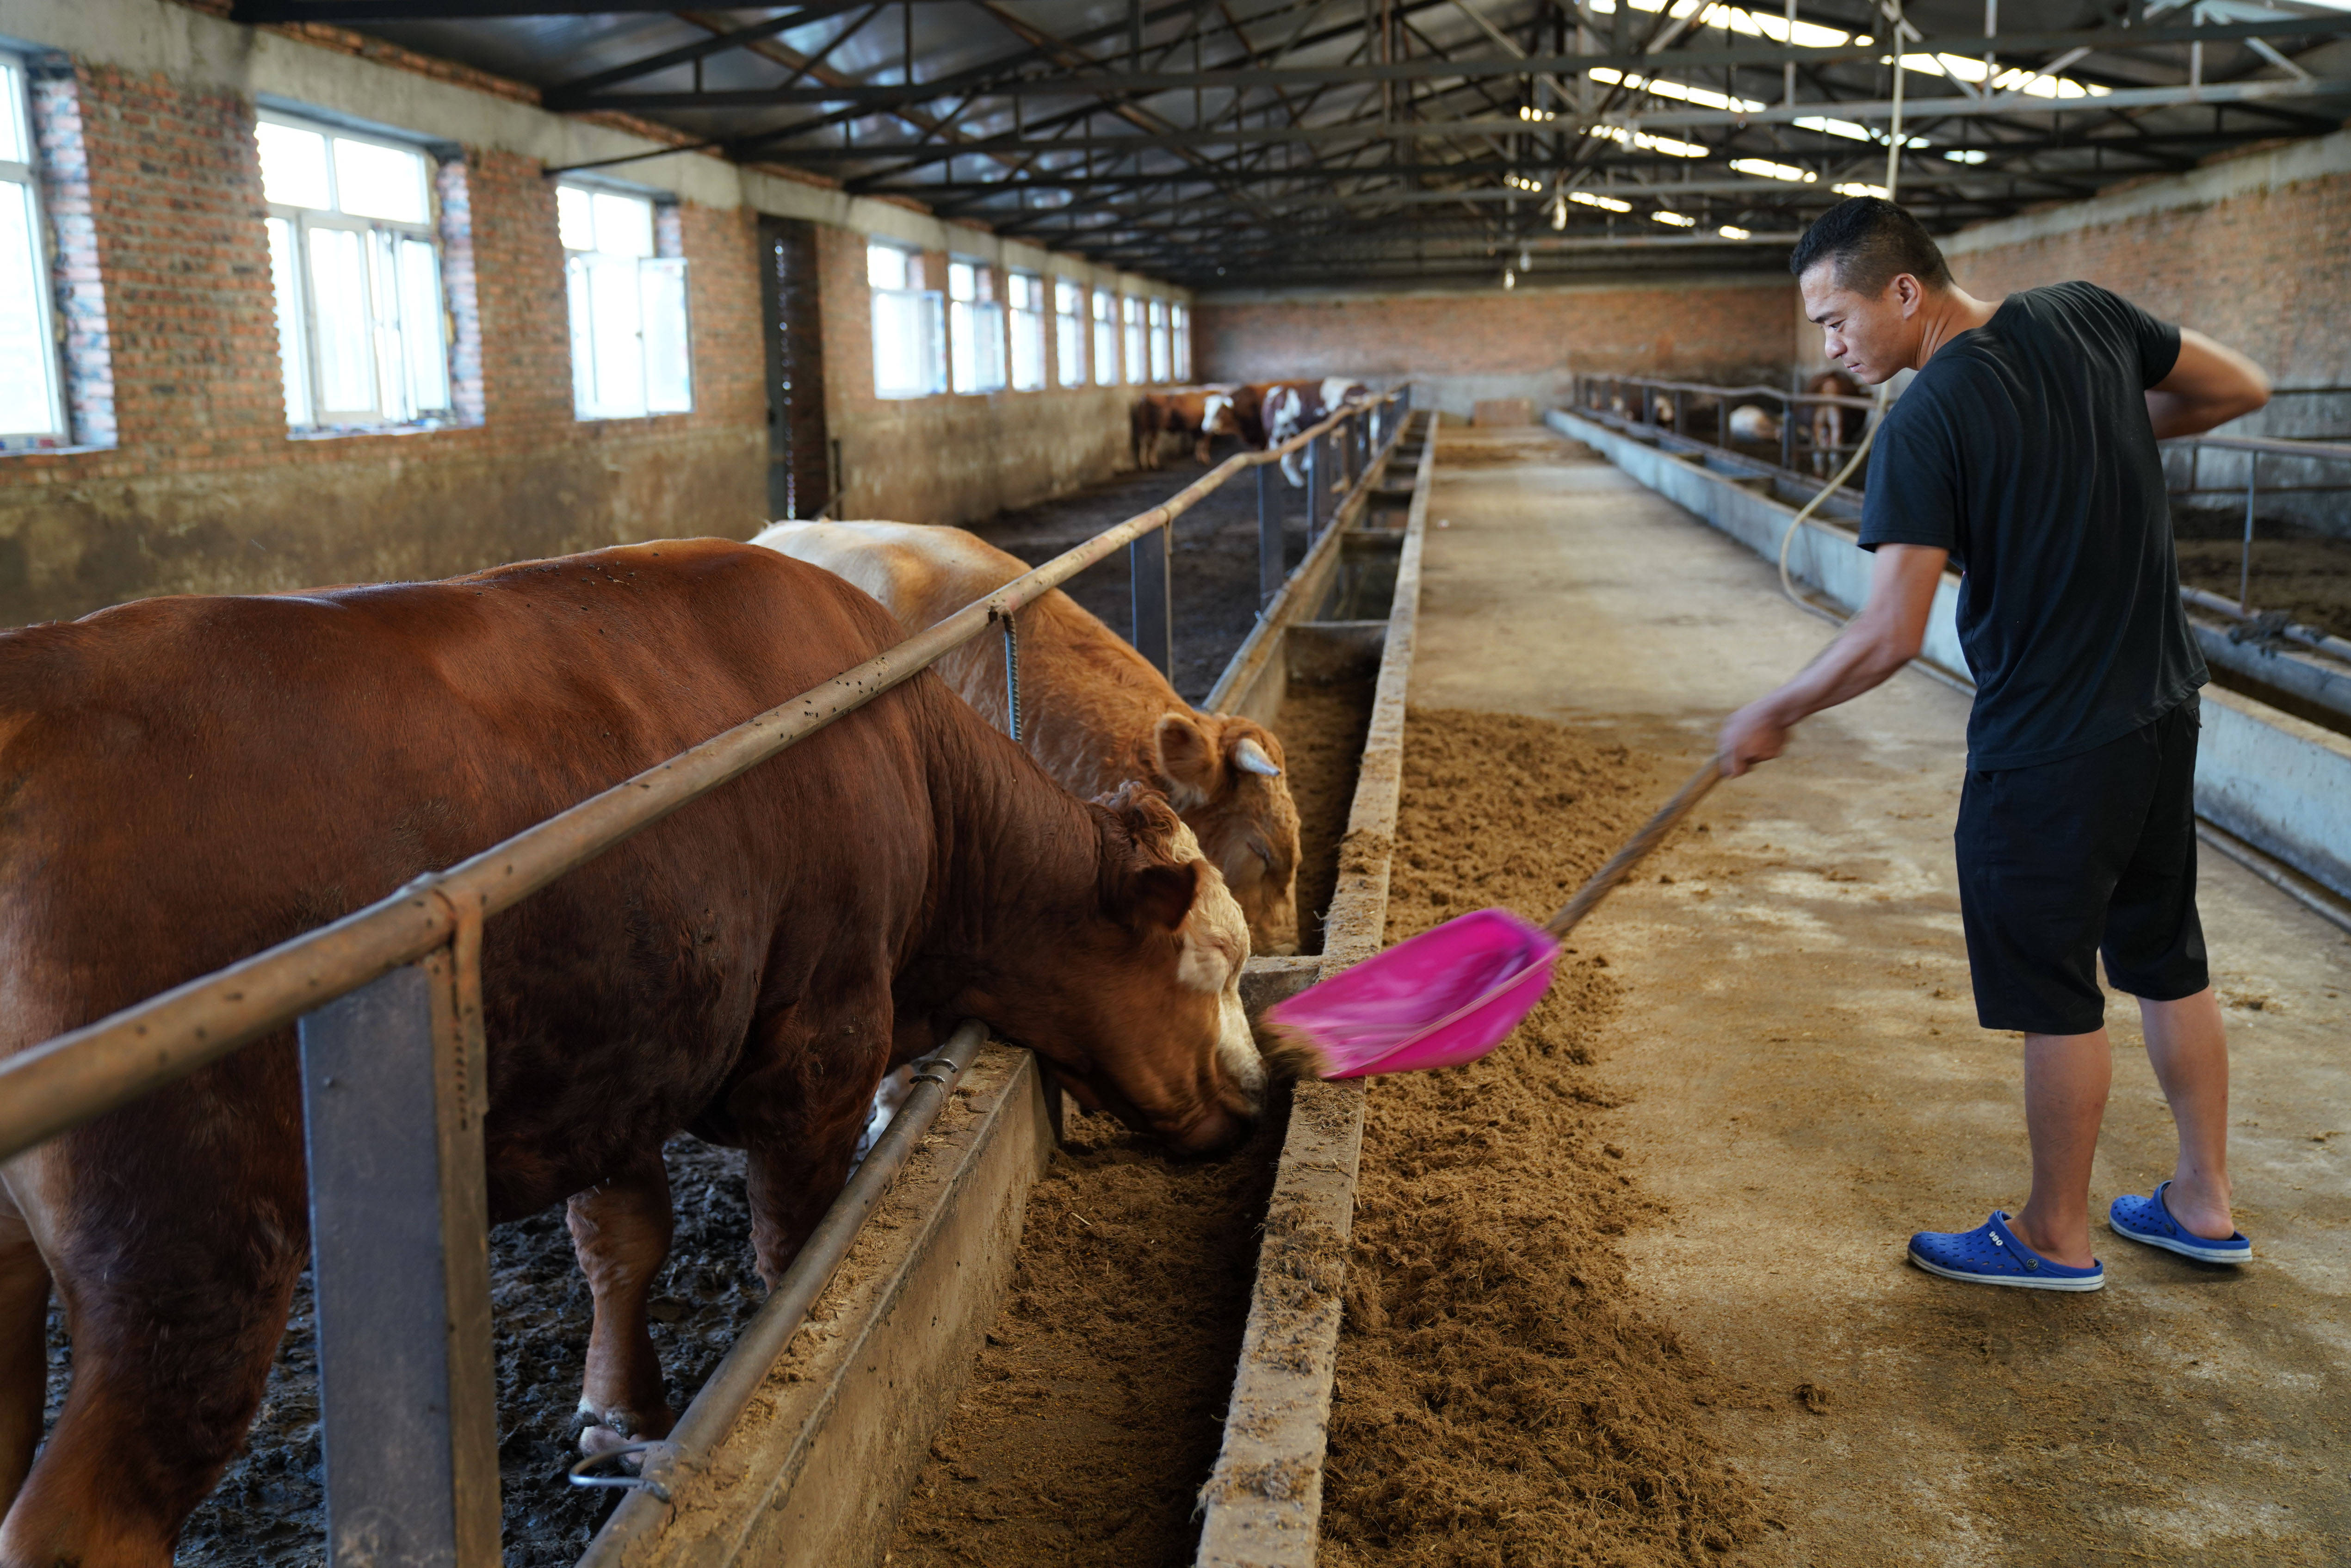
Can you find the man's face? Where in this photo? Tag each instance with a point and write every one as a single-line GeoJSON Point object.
{"type": "Point", "coordinates": [1870, 338]}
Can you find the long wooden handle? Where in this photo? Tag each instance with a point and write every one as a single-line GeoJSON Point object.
{"type": "Point", "coordinates": [1653, 831]}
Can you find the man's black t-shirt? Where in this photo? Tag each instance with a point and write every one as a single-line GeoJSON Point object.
{"type": "Point", "coordinates": [2023, 448]}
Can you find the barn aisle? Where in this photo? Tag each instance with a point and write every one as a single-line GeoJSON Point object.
{"type": "Point", "coordinates": [1804, 1084]}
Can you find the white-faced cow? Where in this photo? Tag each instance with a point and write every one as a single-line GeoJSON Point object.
{"type": "Point", "coordinates": [1290, 407]}
{"type": "Point", "coordinates": [1094, 711]}
{"type": "Point", "coordinates": [190, 780]}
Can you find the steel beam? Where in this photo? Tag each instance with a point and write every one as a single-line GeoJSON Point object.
{"type": "Point", "coordinates": [989, 81]}
{"type": "Point", "coordinates": [1155, 609]}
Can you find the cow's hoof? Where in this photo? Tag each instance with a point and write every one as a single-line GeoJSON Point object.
{"type": "Point", "coordinates": [603, 1431]}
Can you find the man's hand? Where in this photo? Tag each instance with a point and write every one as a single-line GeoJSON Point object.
{"type": "Point", "coordinates": [1754, 734]}
{"type": "Point", "coordinates": [1883, 638]}
{"type": "Point", "coordinates": [2209, 385]}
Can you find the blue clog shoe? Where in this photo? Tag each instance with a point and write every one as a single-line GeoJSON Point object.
{"type": "Point", "coordinates": [2149, 1220]}
{"type": "Point", "coordinates": [1991, 1255]}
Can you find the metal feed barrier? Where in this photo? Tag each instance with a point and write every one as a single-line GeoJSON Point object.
{"type": "Point", "coordinates": [1630, 403]}
{"type": "Point", "coordinates": [388, 1006]}
{"type": "Point", "coordinates": [2289, 464]}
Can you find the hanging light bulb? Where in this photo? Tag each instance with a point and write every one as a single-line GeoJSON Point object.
{"type": "Point", "coordinates": [1510, 278]}
{"type": "Point", "coordinates": [1526, 261]}
{"type": "Point", "coordinates": [1559, 214]}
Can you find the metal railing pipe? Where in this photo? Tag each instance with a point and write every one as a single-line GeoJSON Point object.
{"type": "Point", "coordinates": [75, 1077]}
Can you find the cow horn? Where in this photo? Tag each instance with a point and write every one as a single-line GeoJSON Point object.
{"type": "Point", "coordinates": [1250, 757]}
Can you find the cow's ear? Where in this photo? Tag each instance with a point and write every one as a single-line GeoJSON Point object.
{"type": "Point", "coordinates": [1160, 896]}
{"type": "Point", "coordinates": [1187, 759]}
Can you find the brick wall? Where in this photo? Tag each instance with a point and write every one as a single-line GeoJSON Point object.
{"type": "Point", "coordinates": [2263, 270]}
{"type": "Point", "coordinates": [205, 492]}
{"type": "Point", "coordinates": [1525, 342]}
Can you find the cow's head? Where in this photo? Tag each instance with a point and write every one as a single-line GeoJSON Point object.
{"type": "Point", "coordinates": [1225, 774]}
{"type": "Point", "coordinates": [1137, 1000]}
{"type": "Point", "coordinates": [1217, 418]}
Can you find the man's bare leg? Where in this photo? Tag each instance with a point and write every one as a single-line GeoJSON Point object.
{"type": "Point", "coordinates": [2188, 1046]}
{"type": "Point", "coordinates": [2066, 1077]}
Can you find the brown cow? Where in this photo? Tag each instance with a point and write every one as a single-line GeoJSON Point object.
{"type": "Point", "coordinates": [190, 780]}
{"type": "Point", "coordinates": [1200, 413]}
{"type": "Point", "coordinates": [1094, 711]}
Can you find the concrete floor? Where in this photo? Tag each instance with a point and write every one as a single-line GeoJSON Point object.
{"type": "Point", "coordinates": [1805, 1085]}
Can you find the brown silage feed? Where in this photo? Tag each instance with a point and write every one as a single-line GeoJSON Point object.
{"type": "Point", "coordinates": [1501, 1399]}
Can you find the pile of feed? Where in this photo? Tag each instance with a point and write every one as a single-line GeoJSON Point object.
{"type": "Point", "coordinates": [1500, 1396]}
{"type": "Point", "coordinates": [1097, 1404]}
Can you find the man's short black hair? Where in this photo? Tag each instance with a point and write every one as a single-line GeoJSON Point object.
{"type": "Point", "coordinates": [1870, 242]}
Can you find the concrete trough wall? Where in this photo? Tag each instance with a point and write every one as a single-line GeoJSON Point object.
{"type": "Point", "coordinates": [2280, 783]}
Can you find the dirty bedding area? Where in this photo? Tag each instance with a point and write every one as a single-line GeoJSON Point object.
{"type": "Point", "coordinates": [269, 1510]}
{"type": "Point", "coordinates": [1502, 1398]}
{"type": "Point", "coordinates": [1213, 569]}
{"type": "Point", "coordinates": [2296, 569]}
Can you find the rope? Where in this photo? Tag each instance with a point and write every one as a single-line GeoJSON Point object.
{"type": "Point", "coordinates": [1011, 680]}
{"type": "Point", "coordinates": [1878, 414]}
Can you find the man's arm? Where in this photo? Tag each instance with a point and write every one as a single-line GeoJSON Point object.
{"type": "Point", "coordinates": [1883, 638]}
{"type": "Point", "coordinates": [2210, 384]}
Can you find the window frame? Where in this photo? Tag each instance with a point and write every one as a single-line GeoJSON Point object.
{"type": "Point", "coordinates": [1133, 342]}
{"type": "Point", "coordinates": [664, 269]}
{"type": "Point", "coordinates": [976, 330]}
{"type": "Point", "coordinates": [1032, 286]}
{"type": "Point", "coordinates": [383, 260]}
{"type": "Point", "coordinates": [1105, 338]}
{"type": "Point", "coordinates": [1179, 338]}
{"type": "Point", "coordinates": [1162, 365]}
{"type": "Point", "coordinates": [925, 306]}
{"type": "Point", "coordinates": [41, 262]}
{"type": "Point", "coordinates": [1070, 332]}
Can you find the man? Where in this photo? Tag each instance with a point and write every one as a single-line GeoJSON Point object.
{"type": "Point", "coordinates": [2025, 452]}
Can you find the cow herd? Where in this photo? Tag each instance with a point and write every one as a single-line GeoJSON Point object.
{"type": "Point", "coordinates": [1258, 415]}
{"type": "Point", "coordinates": [190, 780]}
{"type": "Point", "coordinates": [1830, 429]}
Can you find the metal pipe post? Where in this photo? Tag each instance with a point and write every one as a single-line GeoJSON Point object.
{"type": "Point", "coordinates": [1155, 609]}
{"type": "Point", "coordinates": [1788, 434]}
{"type": "Point", "coordinates": [1313, 488]}
{"type": "Point", "coordinates": [1011, 679]}
{"type": "Point", "coordinates": [2245, 562]}
{"type": "Point", "coordinates": [1272, 566]}
{"type": "Point", "coordinates": [395, 1085]}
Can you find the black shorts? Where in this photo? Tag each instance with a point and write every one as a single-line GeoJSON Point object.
{"type": "Point", "coordinates": [2092, 854]}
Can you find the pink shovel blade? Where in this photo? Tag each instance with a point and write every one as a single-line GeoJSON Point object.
{"type": "Point", "coordinates": [1446, 997]}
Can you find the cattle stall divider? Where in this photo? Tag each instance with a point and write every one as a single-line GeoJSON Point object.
{"type": "Point", "coordinates": [387, 1007]}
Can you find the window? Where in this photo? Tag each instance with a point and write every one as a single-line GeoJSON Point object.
{"type": "Point", "coordinates": [1106, 342]}
{"type": "Point", "coordinates": [974, 328]}
{"type": "Point", "coordinates": [357, 273]}
{"type": "Point", "coordinates": [1135, 363]}
{"type": "Point", "coordinates": [909, 327]}
{"type": "Point", "coordinates": [1070, 331]}
{"type": "Point", "coordinates": [31, 398]}
{"type": "Point", "coordinates": [1180, 325]}
{"type": "Point", "coordinates": [1159, 372]}
{"type": "Point", "coordinates": [630, 349]}
{"type": "Point", "coordinates": [1028, 330]}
